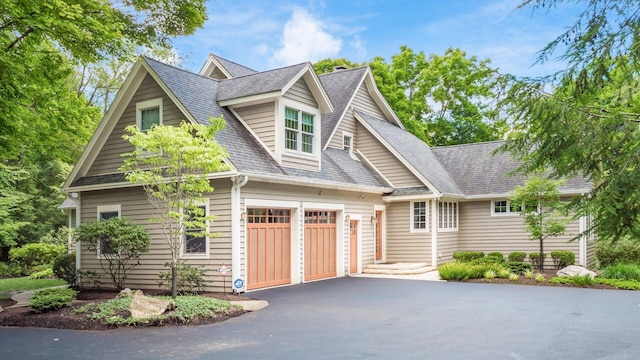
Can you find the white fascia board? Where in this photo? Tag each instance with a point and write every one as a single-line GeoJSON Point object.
{"type": "Point", "coordinates": [315, 86]}
{"type": "Point", "coordinates": [321, 184]}
{"type": "Point", "coordinates": [126, 184]}
{"type": "Point", "coordinates": [375, 168]}
{"type": "Point", "coordinates": [344, 112]}
{"type": "Point", "coordinates": [376, 95]}
{"type": "Point", "coordinates": [213, 62]}
{"type": "Point", "coordinates": [397, 155]}
{"type": "Point", "coordinates": [251, 99]}
{"type": "Point", "coordinates": [389, 198]}
{"type": "Point", "coordinates": [493, 196]}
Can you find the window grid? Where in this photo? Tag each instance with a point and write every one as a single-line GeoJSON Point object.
{"type": "Point", "coordinates": [299, 128]}
{"type": "Point", "coordinates": [346, 143]}
{"type": "Point", "coordinates": [149, 118]}
{"type": "Point", "coordinates": [447, 215]}
{"type": "Point", "coordinates": [419, 215]}
{"type": "Point", "coordinates": [195, 241]}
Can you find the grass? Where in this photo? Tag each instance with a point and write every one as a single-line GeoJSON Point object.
{"type": "Point", "coordinates": [622, 272]}
{"type": "Point", "coordinates": [24, 283]}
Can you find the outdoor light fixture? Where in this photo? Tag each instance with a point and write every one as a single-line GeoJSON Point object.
{"type": "Point", "coordinates": [243, 216]}
{"type": "Point", "coordinates": [374, 220]}
{"type": "Point", "coordinates": [347, 218]}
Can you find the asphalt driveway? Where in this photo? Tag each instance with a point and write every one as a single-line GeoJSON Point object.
{"type": "Point", "coordinates": [364, 318]}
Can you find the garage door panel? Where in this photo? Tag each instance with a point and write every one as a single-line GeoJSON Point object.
{"type": "Point", "coordinates": [269, 241]}
{"type": "Point", "coordinates": [320, 245]}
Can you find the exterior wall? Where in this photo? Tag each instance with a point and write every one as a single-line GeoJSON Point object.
{"type": "Point", "coordinates": [218, 74]}
{"type": "Point", "coordinates": [261, 119]}
{"type": "Point", "coordinates": [300, 92]}
{"type": "Point", "coordinates": [403, 245]}
{"type": "Point", "coordinates": [479, 231]}
{"type": "Point", "coordinates": [134, 205]}
{"type": "Point", "coordinates": [300, 162]}
{"type": "Point", "coordinates": [384, 160]}
{"type": "Point", "coordinates": [109, 160]}
{"type": "Point", "coordinates": [353, 206]}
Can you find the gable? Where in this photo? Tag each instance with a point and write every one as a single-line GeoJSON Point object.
{"type": "Point", "coordinates": [260, 119]}
{"type": "Point", "coordinates": [300, 92]}
{"type": "Point", "coordinates": [364, 103]}
{"type": "Point", "coordinates": [108, 159]}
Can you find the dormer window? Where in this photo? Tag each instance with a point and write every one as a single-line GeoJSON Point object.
{"type": "Point", "coordinates": [299, 130]}
{"type": "Point", "coordinates": [149, 114]}
{"type": "Point", "coordinates": [347, 142]}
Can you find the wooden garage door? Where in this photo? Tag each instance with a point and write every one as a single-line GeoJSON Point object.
{"type": "Point", "coordinates": [319, 244]}
{"type": "Point", "coordinates": [268, 247]}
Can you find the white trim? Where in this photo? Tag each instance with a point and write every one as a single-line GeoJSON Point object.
{"type": "Point", "coordinates": [275, 179]}
{"type": "Point", "coordinates": [582, 250]}
{"type": "Point", "coordinates": [147, 105]}
{"type": "Point", "coordinates": [103, 209]}
{"type": "Point", "coordinates": [206, 68]}
{"type": "Point", "coordinates": [382, 208]}
{"type": "Point", "coordinates": [397, 155]}
{"type": "Point", "coordinates": [412, 215]}
{"type": "Point", "coordinates": [434, 232]}
{"type": "Point", "coordinates": [509, 213]}
{"type": "Point", "coordinates": [344, 112]}
{"type": "Point", "coordinates": [251, 99]}
{"type": "Point", "coordinates": [457, 216]}
{"type": "Point", "coordinates": [78, 243]}
{"type": "Point", "coordinates": [347, 134]}
{"type": "Point", "coordinates": [398, 198]}
{"type": "Point", "coordinates": [506, 195]}
{"type": "Point", "coordinates": [315, 155]}
{"type": "Point", "coordinates": [204, 255]}
{"type": "Point", "coordinates": [358, 218]}
{"type": "Point", "coordinates": [370, 164]}
{"type": "Point", "coordinates": [236, 240]}
{"type": "Point", "coordinates": [314, 85]}
{"type": "Point", "coordinates": [379, 99]}
{"type": "Point", "coordinates": [268, 204]}
{"type": "Point", "coordinates": [126, 184]}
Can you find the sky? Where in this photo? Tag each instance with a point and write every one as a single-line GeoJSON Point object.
{"type": "Point", "coordinates": [268, 34]}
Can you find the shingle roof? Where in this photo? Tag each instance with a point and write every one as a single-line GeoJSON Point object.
{"type": "Point", "coordinates": [340, 86]}
{"type": "Point", "coordinates": [479, 172]}
{"type": "Point", "coordinates": [233, 68]}
{"type": "Point", "coordinates": [415, 152]}
{"type": "Point", "coordinates": [259, 83]}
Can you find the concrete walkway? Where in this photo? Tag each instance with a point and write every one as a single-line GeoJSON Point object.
{"type": "Point", "coordinates": [433, 275]}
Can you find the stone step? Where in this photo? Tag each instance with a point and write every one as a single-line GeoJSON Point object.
{"type": "Point", "coordinates": [398, 269]}
{"type": "Point", "coordinates": [397, 266]}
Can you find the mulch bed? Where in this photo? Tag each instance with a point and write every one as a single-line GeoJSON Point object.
{"type": "Point", "coordinates": [66, 319]}
{"type": "Point", "coordinates": [548, 274]}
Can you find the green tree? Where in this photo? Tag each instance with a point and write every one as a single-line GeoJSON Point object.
{"type": "Point", "coordinates": [443, 100]}
{"type": "Point", "coordinates": [328, 65]}
{"type": "Point", "coordinates": [172, 163]}
{"type": "Point", "coordinates": [588, 126]}
{"type": "Point", "coordinates": [539, 203]}
{"type": "Point", "coordinates": [119, 241]}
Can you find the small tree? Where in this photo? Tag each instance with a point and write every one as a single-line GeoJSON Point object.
{"type": "Point", "coordinates": [172, 163]}
{"type": "Point", "coordinates": [120, 243]}
{"type": "Point", "coordinates": [539, 203]}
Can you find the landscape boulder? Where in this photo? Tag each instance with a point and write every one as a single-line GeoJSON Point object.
{"type": "Point", "coordinates": [575, 270]}
{"type": "Point", "coordinates": [1, 310]}
{"type": "Point", "coordinates": [143, 306]}
{"type": "Point", "coordinates": [125, 292]}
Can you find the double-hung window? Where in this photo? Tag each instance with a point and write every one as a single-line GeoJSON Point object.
{"type": "Point", "coordinates": [506, 207]}
{"type": "Point", "coordinates": [347, 142]}
{"type": "Point", "coordinates": [149, 114]}
{"type": "Point", "coordinates": [299, 130]}
{"type": "Point", "coordinates": [106, 212]}
{"type": "Point", "coordinates": [419, 216]}
{"type": "Point", "coordinates": [195, 240]}
{"type": "Point", "coordinates": [447, 215]}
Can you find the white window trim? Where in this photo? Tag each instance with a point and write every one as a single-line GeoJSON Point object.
{"type": "Point", "coordinates": [349, 135]}
{"type": "Point", "coordinates": [102, 209]}
{"type": "Point", "coordinates": [183, 254]}
{"type": "Point", "coordinates": [492, 203]}
{"type": "Point", "coordinates": [447, 229]}
{"type": "Point", "coordinates": [145, 105]}
{"type": "Point", "coordinates": [412, 215]}
{"type": "Point", "coordinates": [283, 103]}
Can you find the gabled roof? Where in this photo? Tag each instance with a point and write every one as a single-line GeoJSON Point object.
{"type": "Point", "coordinates": [412, 151]}
{"type": "Point", "coordinates": [341, 86]}
{"type": "Point", "coordinates": [228, 67]}
{"type": "Point", "coordinates": [478, 172]}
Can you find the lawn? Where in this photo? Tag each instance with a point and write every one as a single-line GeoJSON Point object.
{"type": "Point", "coordinates": [24, 283]}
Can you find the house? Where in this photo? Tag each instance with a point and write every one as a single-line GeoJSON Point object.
{"type": "Point", "coordinates": [324, 178]}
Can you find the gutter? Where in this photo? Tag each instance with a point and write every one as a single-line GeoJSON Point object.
{"type": "Point", "coordinates": [325, 184]}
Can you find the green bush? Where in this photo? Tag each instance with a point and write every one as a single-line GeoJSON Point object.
{"type": "Point", "coordinates": [42, 274]}
{"type": "Point", "coordinates": [191, 278]}
{"type": "Point", "coordinates": [518, 267]}
{"type": "Point", "coordinates": [496, 255]}
{"type": "Point", "coordinates": [535, 259]}
{"type": "Point", "coordinates": [486, 260]}
{"type": "Point", "coordinates": [35, 254]}
{"type": "Point", "coordinates": [51, 299]}
{"type": "Point", "coordinates": [466, 256]}
{"type": "Point", "coordinates": [563, 258]}
{"type": "Point", "coordinates": [462, 271]}
{"type": "Point", "coordinates": [620, 284]}
{"type": "Point", "coordinates": [623, 250]}
{"type": "Point", "coordinates": [64, 267]}
{"type": "Point", "coordinates": [622, 272]}
{"type": "Point", "coordinates": [585, 280]}
{"type": "Point", "coordinates": [517, 256]}
{"type": "Point", "coordinates": [6, 270]}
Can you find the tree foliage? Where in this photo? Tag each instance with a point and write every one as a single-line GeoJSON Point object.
{"type": "Point", "coordinates": [172, 163]}
{"type": "Point", "coordinates": [443, 100]}
{"type": "Point", "coordinates": [588, 125]}
{"type": "Point", "coordinates": [540, 205]}
{"type": "Point", "coordinates": [329, 65]}
{"type": "Point", "coordinates": [125, 240]}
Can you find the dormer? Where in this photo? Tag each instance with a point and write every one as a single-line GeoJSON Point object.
{"type": "Point", "coordinates": [219, 68]}
{"type": "Point", "coordinates": [282, 109]}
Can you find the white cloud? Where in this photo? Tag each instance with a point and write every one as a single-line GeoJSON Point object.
{"type": "Point", "coordinates": [358, 45]}
{"type": "Point", "coordinates": [305, 38]}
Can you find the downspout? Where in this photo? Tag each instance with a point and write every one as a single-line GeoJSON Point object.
{"type": "Point", "coordinates": [236, 219]}
{"type": "Point", "coordinates": [78, 244]}
{"type": "Point", "coordinates": [434, 233]}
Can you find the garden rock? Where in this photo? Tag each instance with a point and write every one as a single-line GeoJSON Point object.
{"type": "Point", "coordinates": [575, 270]}
{"type": "Point", "coordinates": [143, 306]}
{"type": "Point", "coordinates": [125, 292]}
{"type": "Point", "coordinates": [1, 310]}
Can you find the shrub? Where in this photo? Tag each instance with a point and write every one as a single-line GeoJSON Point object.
{"type": "Point", "coordinates": [514, 277]}
{"type": "Point", "coordinates": [622, 272]}
{"type": "Point", "coordinates": [496, 255]}
{"type": "Point", "coordinates": [528, 274]}
{"type": "Point", "coordinates": [518, 267]}
{"type": "Point", "coordinates": [191, 278]}
{"type": "Point", "coordinates": [517, 256]}
{"type": "Point", "coordinates": [51, 299]}
{"type": "Point", "coordinates": [539, 277]}
{"type": "Point", "coordinates": [455, 271]}
{"type": "Point", "coordinates": [48, 272]}
{"type": "Point", "coordinates": [466, 256]}
{"type": "Point", "coordinates": [489, 274]}
{"type": "Point", "coordinates": [563, 258]}
{"type": "Point", "coordinates": [620, 284]}
{"type": "Point", "coordinates": [7, 270]}
{"type": "Point", "coordinates": [585, 280]}
{"type": "Point", "coordinates": [623, 250]}
{"type": "Point", "coordinates": [34, 254]}
{"type": "Point", "coordinates": [535, 259]}
{"type": "Point", "coordinates": [64, 267]}
{"type": "Point", "coordinates": [486, 260]}
{"type": "Point", "coordinates": [504, 273]}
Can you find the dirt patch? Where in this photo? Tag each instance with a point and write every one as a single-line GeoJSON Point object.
{"type": "Point", "coordinates": [66, 319]}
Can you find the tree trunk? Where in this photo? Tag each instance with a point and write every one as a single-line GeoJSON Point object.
{"type": "Point", "coordinates": [174, 280]}
{"type": "Point", "coordinates": [541, 266]}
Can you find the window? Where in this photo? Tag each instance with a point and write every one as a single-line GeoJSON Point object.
{"type": "Point", "coordinates": [347, 142]}
{"type": "Point", "coordinates": [299, 130]}
{"type": "Point", "coordinates": [195, 241]}
{"type": "Point", "coordinates": [106, 212]}
{"type": "Point", "coordinates": [149, 114]}
{"type": "Point", "coordinates": [504, 207]}
{"type": "Point", "coordinates": [419, 216]}
{"type": "Point", "coordinates": [447, 215]}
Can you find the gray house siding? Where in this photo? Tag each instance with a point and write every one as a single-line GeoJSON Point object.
{"type": "Point", "coordinates": [402, 244]}
{"type": "Point", "coordinates": [300, 92]}
{"type": "Point", "coordinates": [261, 120]}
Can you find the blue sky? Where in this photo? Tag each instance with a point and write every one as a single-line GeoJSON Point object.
{"type": "Point", "coordinates": [268, 34]}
